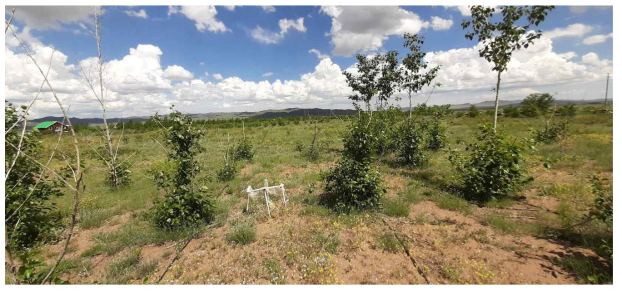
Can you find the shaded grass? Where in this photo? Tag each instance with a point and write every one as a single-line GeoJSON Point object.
{"type": "Point", "coordinates": [396, 208]}
{"type": "Point", "coordinates": [128, 268]}
{"type": "Point", "coordinates": [585, 270]}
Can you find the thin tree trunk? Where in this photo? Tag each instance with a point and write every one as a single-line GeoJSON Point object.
{"type": "Point", "coordinates": [494, 124]}
{"type": "Point", "coordinates": [410, 107]}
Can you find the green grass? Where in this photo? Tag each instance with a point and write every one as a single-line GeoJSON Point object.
{"type": "Point", "coordinates": [128, 268]}
{"type": "Point", "coordinates": [135, 234]}
{"type": "Point", "coordinates": [451, 202]}
{"type": "Point", "coordinates": [242, 234]}
{"type": "Point", "coordinates": [396, 208]}
{"type": "Point", "coordinates": [585, 270]}
{"type": "Point", "coordinates": [329, 243]}
{"type": "Point", "coordinates": [96, 217]}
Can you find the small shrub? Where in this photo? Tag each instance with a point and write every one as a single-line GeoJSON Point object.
{"type": "Point", "coordinates": [226, 173]}
{"type": "Point", "coordinates": [389, 243]}
{"type": "Point", "coordinates": [567, 110]}
{"type": "Point", "coordinates": [512, 112]}
{"type": "Point", "coordinates": [352, 185]}
{"type": "Point", "coordinates": [494, 167]}
{"type": "Point", "coordinates": [436, 135]}
{"type": "Point", "coordinates": [242, 234]}
{"type": "Point", "coordinates": [553, 132]}
{"type": "Point", "coordinates": [411, 147]}
{"type": "Point", "coordinates": [473, 112]}
{"type": "Point", "coordinates": [244, 151]}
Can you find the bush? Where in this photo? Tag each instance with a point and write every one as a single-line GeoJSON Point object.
{"type": "Point", "coordinates": [411, 147]}
{"type": "Point", "coordinates": [242, 234]}
{"type": "Point", "coordinates": [494, 167]}
{"type": "Point", "coordinates": [437, 136]}
{"type": "Point", "coordinates": [385, 130]}
{"type": "Point", "coordinates": [181, 206]}
{"type": "Point", "coordinates": [244, 151]}
{"type": "Point", "coordinates": [553, 132]}
{"type": "Point", "coordinates": [354, 183]}
{"type": "Point", "coordinates": [537, 104]}
{"type": "Point", "coordinates": [28, 217]}
{"type": "Point", "coordinates": [567, 110]}
{"type": "Point", "coordinates": [473, 112]}
{"type": "Point", "coordinates": [513, 112]}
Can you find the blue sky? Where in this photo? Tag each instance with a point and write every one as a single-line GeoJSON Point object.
{"type": "Point", "coordinates": [234, 52]}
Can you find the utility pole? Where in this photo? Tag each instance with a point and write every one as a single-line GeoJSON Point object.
{"type": "Point", "coordinates": [606, 91]}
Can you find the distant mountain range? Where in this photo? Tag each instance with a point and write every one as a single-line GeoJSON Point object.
{"type": "Point", "coordinates": [298, 112]}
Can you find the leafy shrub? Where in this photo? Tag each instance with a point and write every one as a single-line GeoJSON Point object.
{"type": "Point", "coordinates": [494, 167]}
{"type": "Point", "coordinates": [473, 112]}
{"type": "Point", "coordinates": [460, 114]}
{"type": "Point", "coordinates": [28, 217]}
{"type": "Point", "coordinates": [352, 185]}
{"type": "Point", "coordinates": [513, 112]}
{"type": "Point", "coordinates": [244, 151]}
{"type": "Point", "coordinates": [536, 104]}
{"type": "Point", "coordinates": [567, 110]}
{"type": "Point", "coordinates": [385, 130]}
{"type": "Point", "coordinates": [119, 174]}
{"type": "Point", "coordinates": [553, 132]}
{"type": "Point", "coordinates": [242, 234]}
{"type": "Point", "coordinates": [411, 152]}
{"type": "Point", "coordinates": [181, 205]}
{"type": "Point", "coordinates": [436, 135]}
{"type": "Point", "coordinates": [229, 169]}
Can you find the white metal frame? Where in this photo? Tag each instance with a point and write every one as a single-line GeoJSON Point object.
{"type": "Point", "coordinates": [266, 191]}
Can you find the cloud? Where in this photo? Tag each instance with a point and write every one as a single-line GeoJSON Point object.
{"type": "Point", "coordinates": [270, 37]}
{"type": "Point", "coordinates": [593, 60]}
{"type": "Point", "coordinates": [594, 39]}
{"type": "Point", "coordinates": [463, 69]}
{"type": "Point", "coordinates": [175, 72]}
{"type": "Point", "coordinates": [204, 17]}
{"type": "Point", "coordinates": [464, 9]}
{"type": "Point", "coordinates": [201, 63]}
{"type": "Point", "coordinates": [268, 74]}
{"type": "Point", "coordinates": [268, 9]}
{"type": "Point", "coordinates": [229, 7]}
{"type": "Point", "coordinates": [318, 53]}
{"type": "Point", "coordinates": [217, 76]}
{"type": "Point", "coordinates": [51, 17]}
{"type": "Point", "coordinates": [441, 24]}
{"type": "Point", "coordinates": [577, 9]}
{"type": "Point", "coordinates": [139, 14]}
{"type": "Point", "coordinates": [573, 30]}
{"type": "Point", "coordinates": [365, 28]}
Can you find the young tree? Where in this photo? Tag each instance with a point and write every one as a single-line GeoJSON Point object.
{"type": "Point", "coordinates": [182, 206]}
{"type": "Point", "coordinates": [377, 75]}
{"type": "Point", "coordinates": [412, 79]}
{"type": "Point", "coordinates": [118, 171]}
{"type": "Point", "coordinates": [502, 38]}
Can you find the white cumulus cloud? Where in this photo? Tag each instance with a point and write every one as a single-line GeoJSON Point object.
{"type": "Point", "coordinates": [267, 74]}
{"type": "Point", "coordinates": [270, 37]}
{"type": "Point", "coordinates": [365, 28]}
{"type": "Point", "coordinates": [318, 54]}
{"type": "Point", "coordinates": [204, 17]}
{"type": "Point", "coordinates": [51, 17]}
{"type": "Point", "coordinates": [573, 30]}
{"type": "Point", "coordinates": [600, 38]}
{"type": "Point", "coordinates": [175, 72]}
{"type": "Point", "coordinates": [441, 24]}
{"type": "Point", "coordinates": [217, 76]}
{"type": "Point", "coordinates": [268, 8]}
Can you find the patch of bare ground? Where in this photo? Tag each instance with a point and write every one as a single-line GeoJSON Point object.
{"type": "Point", "coordinates": [394, 184]}
{"type": "Point", "coordinates": [457, 249]}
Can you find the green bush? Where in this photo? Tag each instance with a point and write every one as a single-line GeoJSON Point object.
{"type": "Point", "coordinates": [553, 132]}
{"type": "Point", "coordinates": [512, 112]}
{"type": "Point", "coordinates": [28, 211]}
{"type": "Point", "coordinates": [181, 206]}
{"type": "Point", "coordinates": [537, 104]}
{"type": "Point", "coordinates": [473, 112]}
{"type": "Point", "coordinates": [567, 110]}
{"type": "Point", "coordinates": [244, 151]}
{"type": "Point", "coordinates": [436, 135]}
{"type": "Point", "coordinates": [354, 183]}
{"type": "Point", "coordinates": [242, 234]}
{"type": "Point", "coordinates": [411, 151]}
{"type": "Point", "coordinates": [494, 167]}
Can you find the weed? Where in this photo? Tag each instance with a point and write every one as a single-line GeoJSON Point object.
{"type": "Point", "coordinates": [242, 234]}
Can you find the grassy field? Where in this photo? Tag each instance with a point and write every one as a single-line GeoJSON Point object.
{"type": "Point", "coordinates": [422, 234]}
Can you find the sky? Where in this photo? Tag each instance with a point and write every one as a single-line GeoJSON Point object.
{"type": "Point", "coordinates": [250, 58]}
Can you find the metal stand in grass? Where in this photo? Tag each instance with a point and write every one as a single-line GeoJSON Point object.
{"type": "Point", "coordinates": [266, 191]}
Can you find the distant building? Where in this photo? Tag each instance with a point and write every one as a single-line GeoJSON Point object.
{"type": "Point", "coordinates": [51, 126]}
